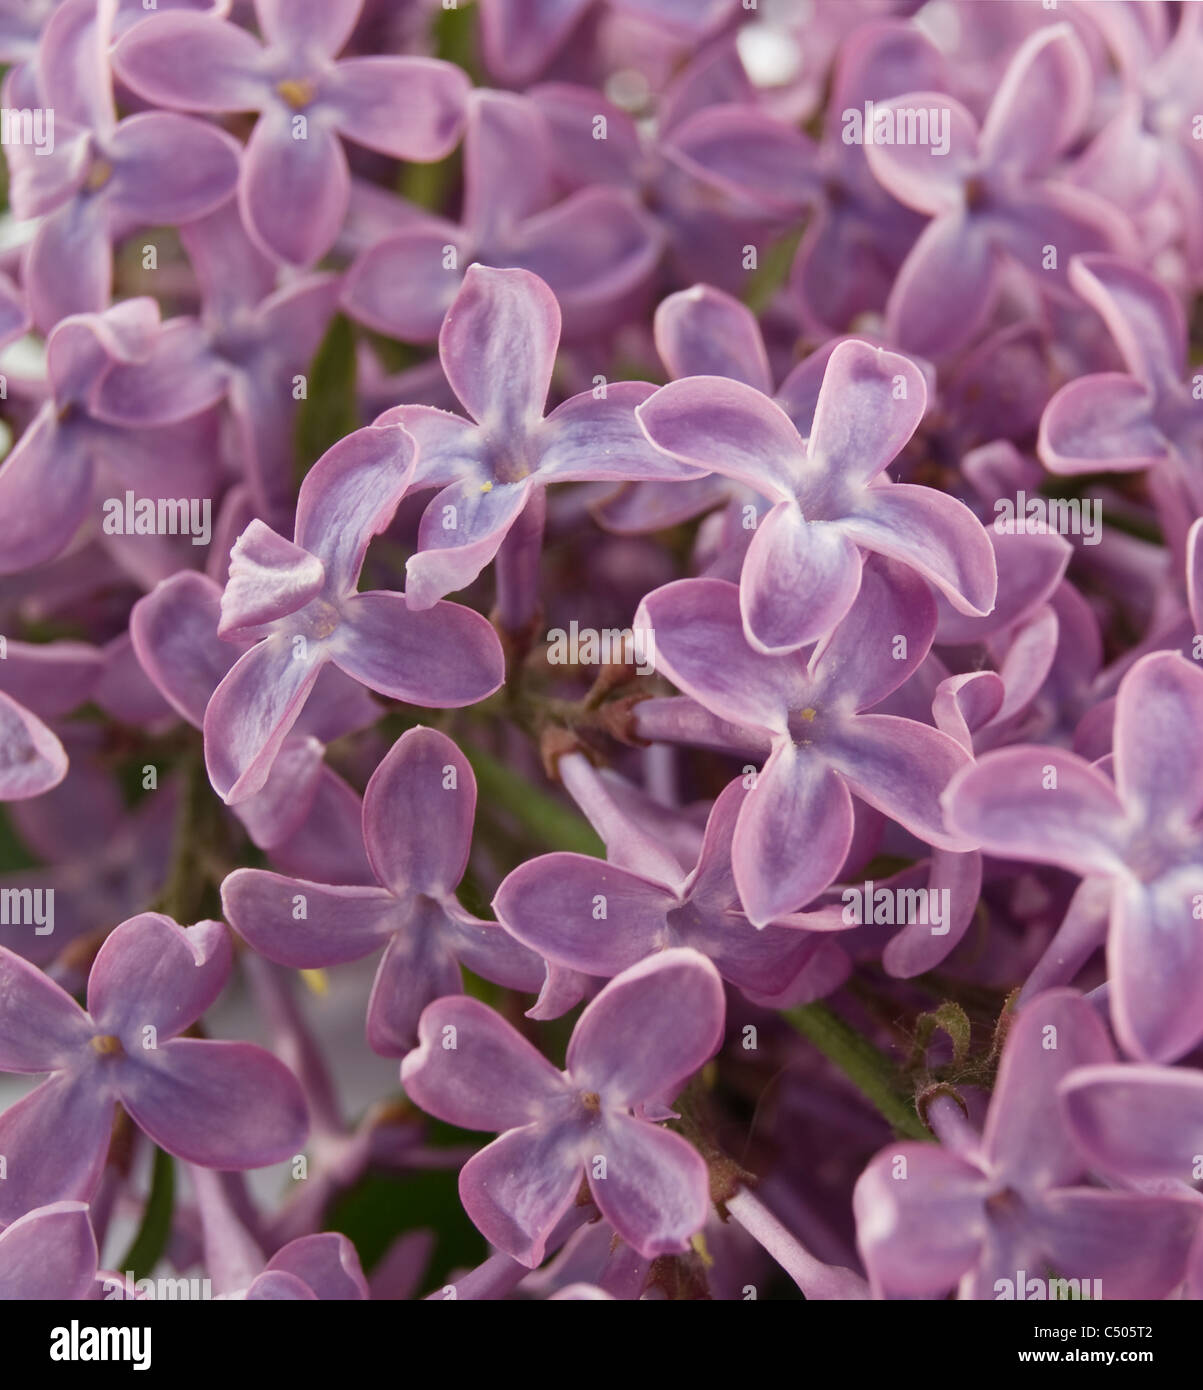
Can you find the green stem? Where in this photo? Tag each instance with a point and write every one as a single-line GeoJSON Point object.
{"type": "Point", "coordinates": [553, 825]}
{"type": "Point", "coordinates": [148, 1245]}
{"type": "Point", "coordinates": [861, 1063]}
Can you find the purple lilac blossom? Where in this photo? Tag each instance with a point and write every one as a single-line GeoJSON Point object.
{"type": "Point", "coordinates": [778, 871]}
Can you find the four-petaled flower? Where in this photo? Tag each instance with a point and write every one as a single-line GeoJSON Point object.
{"type": "Point", "coordinates": [643, 1036]}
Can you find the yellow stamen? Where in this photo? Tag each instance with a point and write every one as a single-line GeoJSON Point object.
{"type": "Point", "coordinates": [296, 91]}
{"type": "Point", "coordinates": [106, 1044]}
{"type": "Point", "coordinates": [98, 175]}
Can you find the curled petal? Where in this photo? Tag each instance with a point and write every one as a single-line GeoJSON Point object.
{"type": "Point", "coordinates": [32, 760]}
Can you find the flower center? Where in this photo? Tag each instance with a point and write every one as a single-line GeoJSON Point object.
{"type": "Point", "coordinates": [975, 194]}
{"type": "Point", "coordinates": [99, 173]}
{"type": "Point", "coordinates": [298, 92]}
{"type": "Point", "coordinates": [591, 1101]}
{"type": "Point", "coordinates": [107, 1045]}
{"type": "Point", "coordinates": [801, 722]}
{"type": "Point", "coordinates": [323, 618]}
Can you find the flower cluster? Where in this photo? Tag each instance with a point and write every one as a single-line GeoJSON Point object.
{"type": "Point", "coordinates": [601, 649]}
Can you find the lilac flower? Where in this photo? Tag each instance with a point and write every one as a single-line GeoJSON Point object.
{"type": "Point", "coordinates": [417, 825]}
{"type": "Point", "coordinates": [1118, 422]}
{"type": "Point", "coordinates": [1138, 835]}
{"type": "Point", "coordinates": [703, 331]}
{"type": "Point", "coordinates": [299, 598]}
{"type": "Point", "coordinates": [250, 343]}
{"type": "Point", "coordinates": [643, 1036]}
{"type": "Point", "coordinates": [859, 236]}
{"type": "Point", "coordinates": [990, 196]}
{"type": "Point", "coordinates": [828, 499]}
{"type": "Point", "coordinates": [46, 482]}
{"type": "Point", "coordinates": [498, 345]}
{"type": "Point", "coordinates": [713, 168]}
{"type": "Point", "coordinates": [49, 1253]}
{"type": "Point", "coordinates": [221, 1104]}
{"type": "Point", "coordinates": [596, 248]}
{"type": "Point", "coordinates": [174, 631]}
{"type": "Point", "coordinates": [410, 108]}
{"type": "Point", "coordinates": [809, 708]}
{"type": "Point", "coordinates": [602, 918]}
{"type": "Point", "coordinates": [1145, 159]}
{"type": "Point", "coordinates": [984, 1209]}
{"type": "Point", "coordinates": [521, 38]}
{"type": "Point", "coordinates": [321, 1266]}
{"type": "Point", "coordinates": [101, 178]}
{"type": "Point", "coordinates": [101, 862]}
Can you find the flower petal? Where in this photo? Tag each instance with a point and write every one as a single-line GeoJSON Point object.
{"type": "Point", "coordinates": [269, 578]}
{"type": "Point", "coordinates": [418, 811]}
{"type": "Point", "coordinates": [472, 1069]}
{"type": "Point", "coordinates": [728, 427]}
{"type": "Point", "coordinates": [707, 332]}
{"type": "Point", "coordinates": [1155, 964]}
{"type": "Point", "coordinates": [32, 760]}
{"type": "Point", "coordinates": [55, 1140]}
{"type": "Point", "coordinates": [281, 174]}
{"type": "Point", "coordinates": [498, 346]}
{"type": "Point", "coordinates": [41, 1026]}
{"type": "Point", "coordinates": [411, 108]}
{"type": "Point", "coordinates": [552, 904]}
{"type": "Point", "coordinates": [656, 1189]}
{"type": "Point", "coordinates": [221, 1105]}
{"type": "Point", "coordinates": [442, 657]}
{"type": "Point", "coordinates": [1039, 804]}
{"type": "Point", "coordinates": [794, 832]}
{"type": "Point", "coordinates": [1024, 1134]}
{"type": "Point", "coordinates": [153, 972]}
{"type": "Point", "coordinates": [339, 923]}
{"type": "Point", "coordinates": [870, 404]}
{"type": "Point", "coordinates": [934, 534]}
{"type": "Point", "coordinates": [1136, 1121]}
{"type": "Point", "coordinates": [517, 1188]}
{"type": "Point", "coordinates": [799, 579]}
{"type": "Point", "coordinates": [649, 1029]}
{"type": "Point", "coordinates": [193, 61]}
{"type": "Point", "coordinates": [350, 495]}
{"type": "Point", "coordinates": [252, 711]}
{"type": "Point", "coordinates": [920, 1220]}
{"type": "Point", "coordinates": [48, 1254]}
{"type": "Point", "coordinates": [700, 646]}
